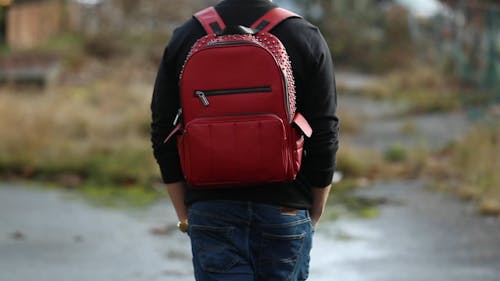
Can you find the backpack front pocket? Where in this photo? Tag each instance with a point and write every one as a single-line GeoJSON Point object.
{"type": "Point", "coordinates": [231, 150]}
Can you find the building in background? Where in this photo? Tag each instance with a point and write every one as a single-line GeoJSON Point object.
{"type": "Point", "coordinates": [29, 22]}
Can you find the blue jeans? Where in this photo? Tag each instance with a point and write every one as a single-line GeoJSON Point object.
{"type": "Point", "coordinates": [244, 241]}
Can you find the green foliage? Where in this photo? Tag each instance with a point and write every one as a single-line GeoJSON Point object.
{"type": "Point", "coordinates": [424, 89]}
{"type": "Point", "coordinates": [353, 162]}
{"type": "Point", "coordinates": [343, 202]}
{"type": "Point", "coordinates": [66, 42]}
{"type": "Point", "coordinates": [124, 166]}
{"type": "Point", "coordinates": [361, 35]}
{"type": "Point", "coordinates": [110, 196]}
{"type": "Point", "coordinates": [4, 50]}
{"type": "Point", "coordinates": [470, 168]}
{"type": "Point", "coordinates": [396, 153]}
{"type": "Point", "coordinates": [423, 101]}
{"type": "Point", "coordinates": [370, 213]}
{"type": "Point", "coordinates": [475, 160]}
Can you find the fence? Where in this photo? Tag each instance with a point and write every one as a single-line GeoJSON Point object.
{"type": "Point", "coordinates": [468, 39]}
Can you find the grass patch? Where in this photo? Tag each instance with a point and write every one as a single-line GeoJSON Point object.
{"type": "Point", "coordinates": [4, 50]}
{"type": "Point", "coordinates": [349, 122]}
{"type": "Point", "coordinates": [355, 162]}
{"type": "Point", "coordinates": [408, 128]}
{"type": "Point", "coordinates": [66, 42]}
{"type": "Point", "coordinates": [397, 162]}
{"type": "Point", "coordinates": [110, 196]}
{"type": "Point", "coordinates": [95, 133]}
{"type": "Point", "coordinates": [426, 89]}
{"type": "Point", "coordinates": [343, 202]}
{"type": "Point", "coordinates": [396, 153]}
{"type": "Point", "coordinates": [475, 160]}
{"type": "Point", "coordinates": [343, 236]}
{"type": "Point", "coordinates": [470, 168]}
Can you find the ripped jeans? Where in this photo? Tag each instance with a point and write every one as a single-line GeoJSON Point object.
{"type": "Point", "coordinates": [244, 241]}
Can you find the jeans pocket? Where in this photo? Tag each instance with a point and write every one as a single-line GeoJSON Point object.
{"type": "Point", "coordinates": [212, 248]}
{"type": "Point", "coordinates": [279, 254]}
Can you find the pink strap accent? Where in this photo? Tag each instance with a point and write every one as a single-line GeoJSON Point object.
{"type": "Point", "coordinates": [174, 131]}
{"type": "Point", "coordinates": [273, 18]}
{"type": "Point", "coordinates": [303, 125]}
{"type": "Point", "coordinates": [207, 17]}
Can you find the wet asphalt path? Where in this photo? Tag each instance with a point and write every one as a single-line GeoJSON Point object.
{"type": "Point", "coordinates": [383, 125]}
{"type": "Point", "coordinates": [54, 236]}
{"type": "Point", "coordinates": [419, 236]}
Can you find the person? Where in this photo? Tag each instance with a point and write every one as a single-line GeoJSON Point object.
{"type": "Point", "coordinates": [261, 232]}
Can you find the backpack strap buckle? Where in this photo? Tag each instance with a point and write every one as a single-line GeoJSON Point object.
{"type": "Point", "coordinates": [210, 20]}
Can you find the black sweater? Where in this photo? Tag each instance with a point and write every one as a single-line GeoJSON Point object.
{"type": "Point", "coordinates": [315, 95]}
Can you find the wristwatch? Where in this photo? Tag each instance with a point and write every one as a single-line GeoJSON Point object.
{"type": "Point", "coordinates": [183, 226]}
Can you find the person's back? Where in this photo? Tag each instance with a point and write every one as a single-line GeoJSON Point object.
{"type": "Point", "coordinates": [262, 232]}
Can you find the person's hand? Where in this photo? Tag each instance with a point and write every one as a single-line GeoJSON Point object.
{"type": "Point", "coordinates": [320, 195]}
{"type": "Point", "coordinates": [315, 216]}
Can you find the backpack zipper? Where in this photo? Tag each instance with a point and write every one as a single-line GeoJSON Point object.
{"type": "Point", "coordinates": [202, 95]}
{"type": "Point", "coordinates": [178, 116]}
{"type": "Point", "coordinates": [232, 43]}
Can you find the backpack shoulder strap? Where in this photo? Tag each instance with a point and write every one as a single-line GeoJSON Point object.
{"type": "Point", "coordinates": [210, 20]}
{"type": "Point", "coordinates": [272, 18]}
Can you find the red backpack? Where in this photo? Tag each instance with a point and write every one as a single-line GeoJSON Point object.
{"type": "Point", "coordinates": [239, 126]}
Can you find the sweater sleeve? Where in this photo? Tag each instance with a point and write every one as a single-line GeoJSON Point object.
{"type": "Point", "coordinates": [320, 110]}
{"type": "Point", "coordinates": [164, 106]}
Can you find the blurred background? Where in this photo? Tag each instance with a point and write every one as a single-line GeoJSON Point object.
{"type": "Point", "coordinates": [416, 194]}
